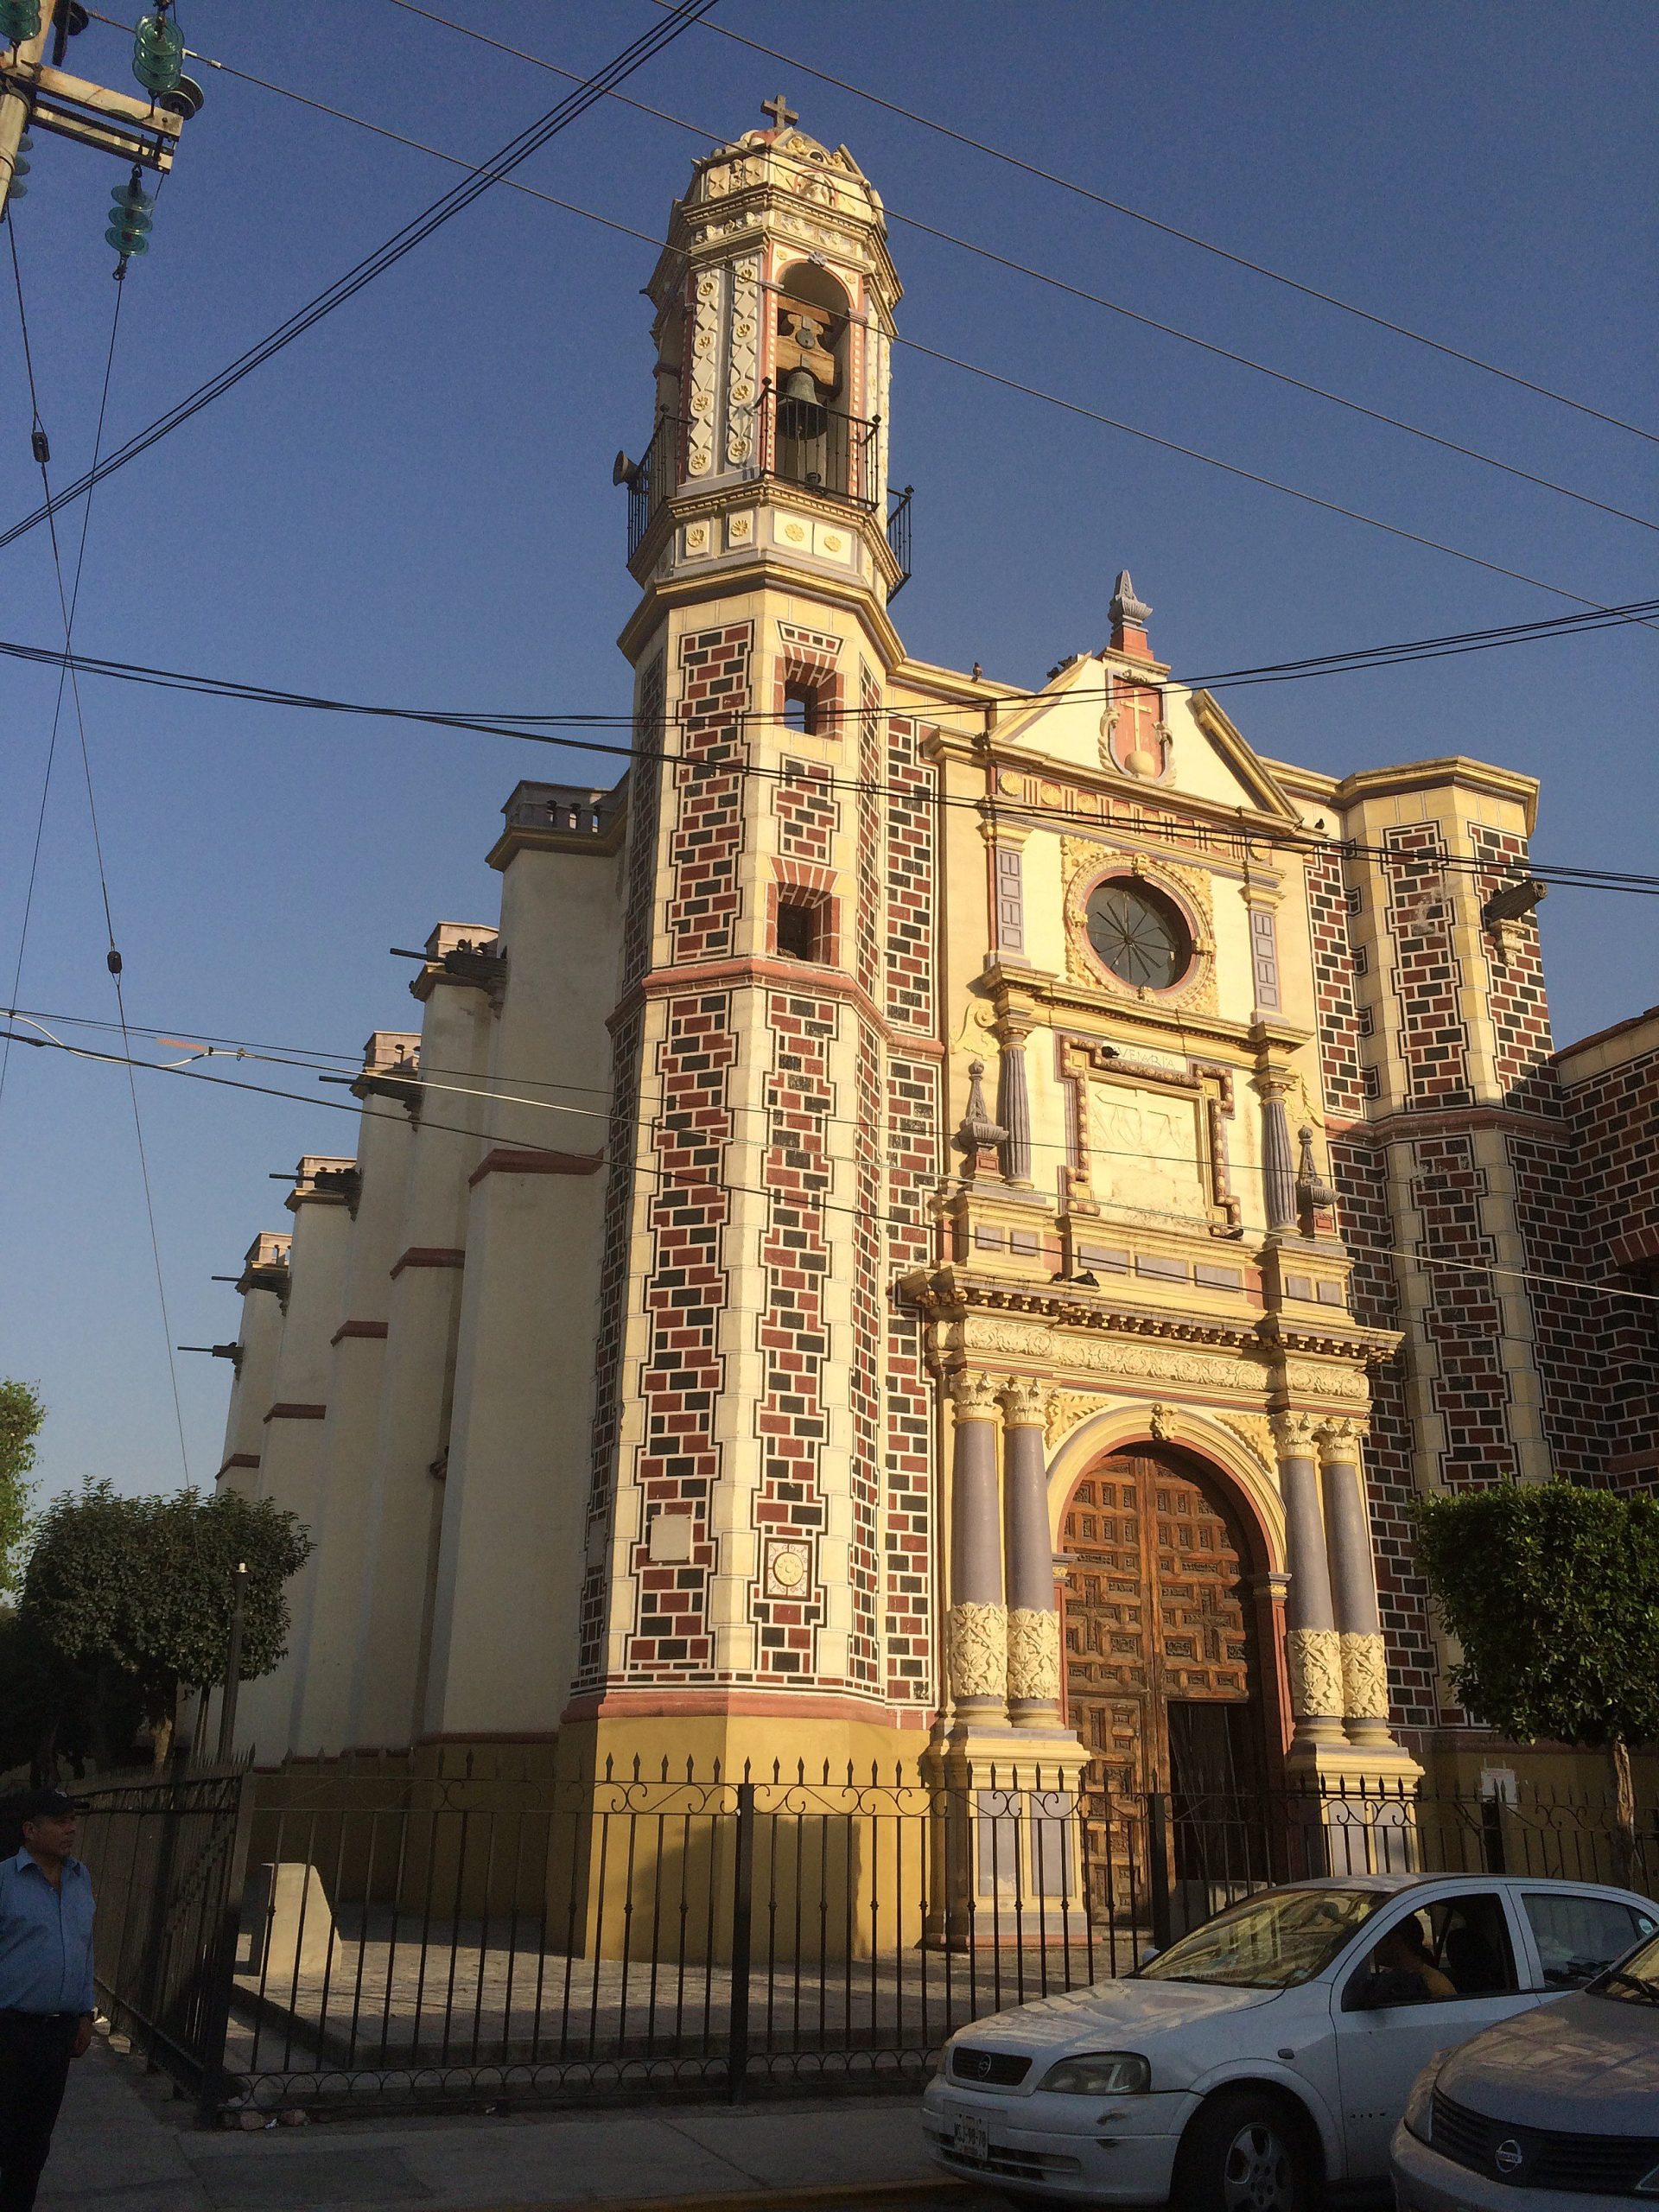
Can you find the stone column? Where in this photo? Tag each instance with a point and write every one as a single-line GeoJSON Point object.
{"type": "Point", "coordinates": [1353, 1582]}
{"type": "Point", "coordinates": [1277, 1166]}
{"type": "Point", "coordinates": [1033, 1623]}
{"type": "Point", "coordinates": [978, 1620]}
{"type": "Point", "coordinates": [1014, 1106]}
{"type": "Point", "coordinates": [1312, 1649]}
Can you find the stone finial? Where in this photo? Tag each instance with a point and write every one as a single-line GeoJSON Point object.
{"type": "Point", "coordinates": [1129, 616]}
{"type": "Point", "coordinates": [978, 1134]}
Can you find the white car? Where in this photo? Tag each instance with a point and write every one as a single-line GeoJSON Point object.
{"type": "Point", "coordinates": [1546, 2114]}
{"type": "Point", "coordinates": [1270, 2050]}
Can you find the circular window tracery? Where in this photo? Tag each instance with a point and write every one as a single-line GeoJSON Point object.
{"type": "Point", "coordinates": [1138, 933]}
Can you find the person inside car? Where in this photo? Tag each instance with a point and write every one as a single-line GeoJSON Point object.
{"type": "Point", "coordinates": [1404, 1953]}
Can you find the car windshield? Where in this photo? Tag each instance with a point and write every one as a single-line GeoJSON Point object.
{"type": "Point", "coordinates": [1271, 1942]}
{"type": "Point", "coordinates": [1635, 1980]}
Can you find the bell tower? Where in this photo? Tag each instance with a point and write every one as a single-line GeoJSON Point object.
{"type": "Point", "coordinates": [760, 1540]}
{"type": "Point", "coordinates": [774, 301]}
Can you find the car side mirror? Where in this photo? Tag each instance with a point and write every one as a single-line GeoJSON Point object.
{"type": "Point", "coordinates": [1380, 1991]}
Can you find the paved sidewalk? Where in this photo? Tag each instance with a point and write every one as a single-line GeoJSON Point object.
{"type": "Point", "coordinates": [125, 2144]}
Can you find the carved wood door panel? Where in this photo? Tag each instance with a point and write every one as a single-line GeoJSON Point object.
{"type": "Point", "coordinates": [1154, 1611]}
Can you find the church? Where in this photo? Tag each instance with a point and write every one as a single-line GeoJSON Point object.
{"type": "Point", "coordinates": [939, 1224]}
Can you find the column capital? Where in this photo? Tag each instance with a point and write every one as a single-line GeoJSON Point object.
{"type": "Point", "coordinates": [1295, 1435]}
{"type": "Point", "coordinates": [974, 1395]}
{"type": "Point", "coordinates": [1339, 1442]}
{"type": "Point", "coordinates": [1024, 1403]}
{"type": "Point", "coordinates": [1270, 1083]}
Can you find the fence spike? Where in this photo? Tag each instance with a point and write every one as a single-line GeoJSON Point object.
{"type": "Point", "coordinates": [776, 1771]}
{"type": "Point", "coordinates": [800, 1772]}
{"type": "Point", "coordinates": [607, 1766]}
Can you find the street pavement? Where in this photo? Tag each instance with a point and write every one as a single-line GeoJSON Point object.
{"type": "Point", "coordinates": [126, 2144]}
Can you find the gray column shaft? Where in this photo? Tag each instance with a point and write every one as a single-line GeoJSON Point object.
{"type": "Point", "coordinates": [1353, 1574]}
{"type": "Point", "coordinates": [1278, 1168]}
{"type": "Point", "coordinates": [1307, 1601]}
{"type": "Point", "coordinates": [1030, 1547]}
{"type": "Point", "coordinates": [975, 1530]}
{"type": "Point", "coordinates": [1013, 1111]}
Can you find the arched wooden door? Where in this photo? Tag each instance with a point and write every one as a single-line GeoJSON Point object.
{"type": "Point", "coordinates": [1162, 1681]}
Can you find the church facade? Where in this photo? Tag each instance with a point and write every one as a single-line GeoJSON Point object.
{"type": "Point", "coordinates": [938, 1222]}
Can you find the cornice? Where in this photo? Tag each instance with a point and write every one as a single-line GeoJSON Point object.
{"type": "Point", "coordinates": [949, 1293]}
{"type": "Point", "coordinates": [801, 977]}
{"type": "Point", "coordinates": [1454, 768]}
{"type": "Point", "coordinates": [759, 571]}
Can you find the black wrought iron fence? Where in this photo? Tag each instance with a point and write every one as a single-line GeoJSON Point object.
{"type": "Point", "coordinates": [404, 1933]}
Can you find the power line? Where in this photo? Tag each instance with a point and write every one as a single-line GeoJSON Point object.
{"type": "Point", "coordinates": [930, 229]}
{"type": "Point", "coordinates": [68, 602]}
{"type": "Point", "coordinates": [187, 407]}
{"type": "Point", "coordinates": [788, 1199]}
{"type": "Point", "coordinates": [1170, 230]}
{"type": "Point", "coordinates": [683, 13]}
{"type": "Point", "coordinates": [1166, 830]}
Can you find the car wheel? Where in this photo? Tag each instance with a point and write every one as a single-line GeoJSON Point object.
{"type": "Point", "coordinates": [1244, 2152]}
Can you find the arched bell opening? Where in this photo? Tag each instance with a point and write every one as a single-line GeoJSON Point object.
{"type": "Point", "coordinates": [814, 440]}
{"type": "Point", "coordinates": [1171, 1674]}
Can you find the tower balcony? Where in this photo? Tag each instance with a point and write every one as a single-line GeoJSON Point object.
{"type": "Point", "coordinates": [796, 442]}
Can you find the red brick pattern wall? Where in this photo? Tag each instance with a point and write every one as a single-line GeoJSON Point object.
{"type": "Point", "coordinates": [621, 1142]}
{"type": "Point", "coordinates": [863, 1662]}
{"type": "Point", "coordinates": [1464, 1317]}
{"type": "Point", "coordinates": [1569, 1327]}
{"type": "Point", "coordinates": [866, 935]}
{"type": "Point", "coordinates": [645, 787]}
{"type": "Point", "coordinates": [912, 1140]}
{"type": "Point", "coordinates": [1514, 983]}
{"type": "Point", "coordinates": [1427, 981]}
{"type": "Point", "coordinates": [708, 834]}
{"type": "Point", "coordinates": [913, 1107]}
{"type": "Point", "coordinates": [1359, 1170]}
{"type": "Point", "coordinates": [911, 833]}
{"type": "Point", "coordinates": [687, 1208]}
{"type": "Point", "coordinates": [793, 1330]}
{"type": "Point", "coordinates": [1615, 1119]}
{"type": "Point", "coordinates": [808, 814]}
{"type": "Point", "coordinates": [1333, 987]}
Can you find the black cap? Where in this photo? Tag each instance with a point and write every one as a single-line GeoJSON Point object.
{"type": "Point", "coordinates": [44, 1805]}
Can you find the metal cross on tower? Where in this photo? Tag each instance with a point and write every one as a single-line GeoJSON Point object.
{"type": "Point", "coordinates": [780, 112]}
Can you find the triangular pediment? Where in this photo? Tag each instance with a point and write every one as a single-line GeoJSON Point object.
{"type": "Point", "coordinates": [1133, 724]}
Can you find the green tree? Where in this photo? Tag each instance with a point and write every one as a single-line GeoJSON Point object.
{"type": "Point", "coordinates": [144, 1585]}
{"type": "Point", "coordinates": [21, 1416]}
{"type": "Point", "coordinates": [1553, 1592]}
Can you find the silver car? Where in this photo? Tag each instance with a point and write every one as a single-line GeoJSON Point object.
{"type": "Point", "coordinates": [1555, 2111]}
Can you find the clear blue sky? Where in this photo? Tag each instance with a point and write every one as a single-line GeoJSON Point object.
{"type": "Point", "coordinates": [414, 502]}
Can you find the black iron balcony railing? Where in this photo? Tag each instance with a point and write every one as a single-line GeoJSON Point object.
{"type": "Point", "coordinates": [651, 480]}
{"type": "Point", "coordinates": [797, 442]}
{"type": "Point", "coordinates": [803, 441]}
{"type": "Point", "coordinates": [898, 535]}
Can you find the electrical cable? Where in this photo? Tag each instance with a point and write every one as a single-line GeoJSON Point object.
{"type": "Point", "coordinates": [1170, 230]}
{"type": "Point", "coordinates": [786, 1198]}
{"type": "Point", "coordinates": [68, 602]}
{"type": "Point", "coordinates": [413, 233]}
{"type": "Point", "coordinates": [967, 245]}
{"type": "Point", "coordinates": [1167, 832]}
{"type": "Point", "coordinates": [185, 408]}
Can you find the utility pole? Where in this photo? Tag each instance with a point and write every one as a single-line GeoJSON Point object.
{"type": "Point", "coordinates": [36, 94]}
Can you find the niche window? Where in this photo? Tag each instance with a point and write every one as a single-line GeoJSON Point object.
{"type": "Point", "coordinates": [802, 707]}
{"type": "Point", "coordinates": [800, 930]}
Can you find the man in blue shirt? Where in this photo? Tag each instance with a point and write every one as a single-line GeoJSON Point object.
{"type": "Point", "coordinates": [46, 1986]}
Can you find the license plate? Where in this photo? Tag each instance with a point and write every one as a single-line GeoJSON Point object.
{"type": "Point", "coordinates": [970, 2137]}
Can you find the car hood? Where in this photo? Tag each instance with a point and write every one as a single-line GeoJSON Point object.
{"type": "Point", "coordinates": [1588, 2065]}
{"type": "Point", "coordinates": [1113, 2015]}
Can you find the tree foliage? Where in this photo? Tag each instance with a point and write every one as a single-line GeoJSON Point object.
{"type": "Point", "coordinates": [144, 1585]}
{"type": "Point", "coordinates": [21, 1416]}
{"type": "Point", "coordinates": [1553, 1592]}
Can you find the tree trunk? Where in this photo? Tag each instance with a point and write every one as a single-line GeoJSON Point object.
{"type": "Point", "coordinates": [1624, 1808]}
{"type": "Point", "coordinates": [161, 1739]}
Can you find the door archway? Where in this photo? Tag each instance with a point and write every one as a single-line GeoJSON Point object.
{"type": "Point", "coordinates": [1163, 1667]}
